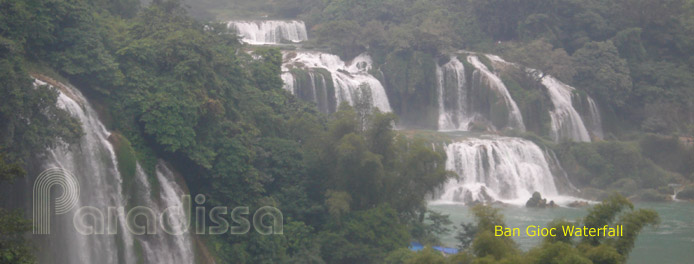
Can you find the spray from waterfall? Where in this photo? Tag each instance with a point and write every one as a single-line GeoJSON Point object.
{"type": "Point", "coordinates": [352, 81]}
{"type": "Point", "coordinates": [94, 163]}
{"type": "Point", "coordinates": [496, 169]}
{"type": "Point", "coordinates": [490, 80]}
{"type": "Point", "coordinates": [566, 122]}
{"type": "Point", "coordinates": [453, 96]}
{"type": "Point", "coordinates": [595, 119]}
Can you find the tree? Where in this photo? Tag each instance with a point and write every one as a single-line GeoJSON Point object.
{"type": "Point", "coordinates": [14, 248]}
{"type": "Point", "coordinates": [337, 203]}
{"type": "Point", "coordinates": [601, 71]}
{"type": "Point", "coordinates": [540, 55]}
{"type": "Point", "coordinates": [341, 36]}
{"type": "Point", "coordinates": [633, 222]}
{"type": "Point", "coordinates": [427, 256]}
{"type": "Point", "coordinates": [485, 243]}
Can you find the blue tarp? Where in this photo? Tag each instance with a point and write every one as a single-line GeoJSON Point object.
{"type": "Point", "coordinates": [447, 251]}
{"type": "Point", "coordinates": [415, 246]}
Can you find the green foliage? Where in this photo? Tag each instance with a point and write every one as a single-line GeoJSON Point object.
{"type": "Point", "coordinates": [531, 98]}
{"type": "Point", "coordinates": [603, 254]}
{"type": "Point", "coordinates": [127, 160]}
{"type": "Point", "coordinates": [30, 121]}
{"type": "Point", "coordinates": [427, 256]}
{"type": "Point", "coordinates": [542, 56]}
{"type": "Point", "coordinates": [337, 203]}
{"type": "Point", "coordinates": [341, 37]}
{"type": "Point", "coordinates": [186, 91]}
{"type": "Point", "coordinates": [601, 164]}
{"type": "Point", "coordinates": [606, 76]}
{"type": "Point", "coordinates": [687, 193]}
{"type": "Point", "coordinates": [557, 252]}
{"type": "Point", "coordinates": [584, 43]}
{"type": "Point", "coordinates": [669, 153]}
{"type": "Point", "coordinates": [399, 256]}
{"type": "Point", "coordinates": [604, 214]}
{"type": "Point", "coordinates": [560, 236]}
{"type": "Point", "coordinates": [365, 237]}
{"type": "Point", "coordinates": [9, 171]}
{"type": "Point", "coordinates": [629, 44]}
{"type": "Point", "coordinates": [486, 244]}
{"type": "Point", "coordinates": [633, 223]}
{"type": "Point", "coordinates": [410, 78]}
{"type": "Point", "coordinates": [14, 248]}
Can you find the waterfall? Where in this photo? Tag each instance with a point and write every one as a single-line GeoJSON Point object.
{"type": "Point", "coordinates": [288, 80]}
{"type": "Point", "coordinates": [164, 247]}
{"type": "Point", "coordinates": [352, 81]}
{"type": "Point", "coordinates": [93, 162]}
{"type": "Point", "coordinates": [595, 123]}
{"type": "Point", "coordinates": [491, 81]}
{"type": "Point", "coordinates": [566, 122]}
{"type": "Point", "coordinates": [452, 90]}
{"type": "Point", "coordinates": [496, 169]}
{"type": "Point", "coordinates": [270, 31]}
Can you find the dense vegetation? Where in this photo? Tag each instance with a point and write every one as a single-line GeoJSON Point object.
{"type": "Point", "coordinates": [175, 88]}
{"type": "Point", "coordinates": [350, 188]}
{"type": "Point", "coordinates": [634, 56]}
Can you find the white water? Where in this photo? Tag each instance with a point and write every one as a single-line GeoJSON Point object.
{"type": "Point", "coordinates": [93, 162]}
{"type": "Point", "coordinates": [353, 84]}
{"type": "Point", "coordinates": [566, 122]}
{"type": "Point", "coordinates": [595, 122]}
{"type": "Point", "coordinates": [453, 112]}
{"type": "Point", "coordinates": [496, 169]}
{"type": "Point", "coordinates": [163, 247]}
{"type": "Point", "coordinates": [288, 80]}
{"type": "Point", "coordinates": [493, 82]}
{"type": "Point", "coordinates": [270, 31]}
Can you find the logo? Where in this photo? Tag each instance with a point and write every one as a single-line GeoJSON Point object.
{"type": "Point", "coordinates": [42, 197]}
{"type": "Point", "coordinates": [141, 220]}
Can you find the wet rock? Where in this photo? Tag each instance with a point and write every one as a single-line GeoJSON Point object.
{"type": "Point", "coordinates": [538, 202]}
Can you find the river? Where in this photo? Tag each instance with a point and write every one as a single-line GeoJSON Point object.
{"type": "Point", "coordinates": [670, 242]}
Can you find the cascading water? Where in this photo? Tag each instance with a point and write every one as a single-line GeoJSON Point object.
{"type": "Point", "coordinates": [595, 122]}
{"type": "Point", "coordinates": [496, 169]}
{"type": "Point", "coordinates": [163, 247]}
{"type": "Point", "coordinates": [288, 80]}
{"type": "Point", "coordinates": [566, 122]}
{"type": "Point", "coordinates": [351, 81]}
{"type": "Point", "coordinates": [491, 81]}
{"type": "Point", "coordinates": [452, 90]}
{"type": "Point", "coordinates": [93, 162]}
{"type": "Point", "coordinates": [270, 31]}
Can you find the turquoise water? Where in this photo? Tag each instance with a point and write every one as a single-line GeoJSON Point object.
{"type": "Point", "coordinates": [670, 242]}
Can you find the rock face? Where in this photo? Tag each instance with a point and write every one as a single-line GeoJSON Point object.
{"type": "Point", "coordinates": [538, 202]}
{"type": "Point", "coordinates": [686, 194]}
